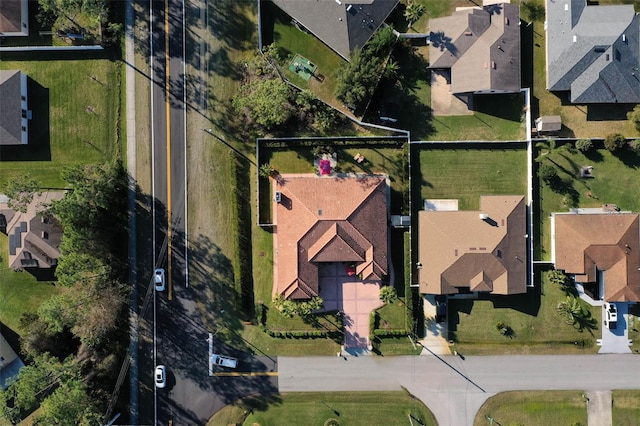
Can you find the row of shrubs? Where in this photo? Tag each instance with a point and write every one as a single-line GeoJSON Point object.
{"type": "Point", "coordinates": [307, 334]}
{"type": "Point", "coordinates": [381, 332]}
{"type": "Point", "coordinates": [612, 142]}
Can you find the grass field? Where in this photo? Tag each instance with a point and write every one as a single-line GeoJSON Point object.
{"type": "Point", "coordinates": [533, 317]}
{"type": "Point", "coordinates": [466, 173]}
{"type": "Point", "coordinates": [534, 408]}
{"type": "Point", "coordinates": [76, 107]}
{"type": "Point", "coordinates": [615, 181]}
{"type": "Point", "coordinates": [626, 407]}
{"type": "Point", "coordinates": [349, 408]}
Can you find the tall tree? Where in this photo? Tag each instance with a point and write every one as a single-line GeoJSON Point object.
{"type": "Point", "coordinates": [21, 189]}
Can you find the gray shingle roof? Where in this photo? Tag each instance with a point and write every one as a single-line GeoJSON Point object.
{"type": "Point", "coordinates": [10, 108]}
{"type": "Point", "coordinates": [10, 16]}
{"type": "Point", "coordinates": [593, 51]}
{"type": "Point", "coordinates": [343, 26]}
{"type": "Point", "coordinates": [481, 46]}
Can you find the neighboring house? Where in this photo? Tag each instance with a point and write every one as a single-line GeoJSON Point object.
{"type": "Point", "coordinates": [34, 239]}
{"type": "Point", "coordinates": [326, 220]}
{"type": "Point", "coordinates": [343, 26]}
{"type": "Point", "coordinates": [14, 112]}
{"type": "Point", "coordinates": [600, 246]}
{"type": "Point", "coordinates": [480, 47]}
{"type": "Point", "coordinates": [14, 18]}
{"type": "Point", "coordinates": [474, 251]}
{"type": "Point", "coordinates": [10, 363]}
{"type": "Point", "coordinates": [593, 51]}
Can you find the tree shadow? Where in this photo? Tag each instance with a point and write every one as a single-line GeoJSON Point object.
{"type": "Point", "coordinates": [628, 157]}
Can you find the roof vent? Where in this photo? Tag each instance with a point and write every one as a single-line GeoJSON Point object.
{"type": "Point", "coordinates": [278, 196]}
{"type": "Point", "coordinates": [319, 212]}
{"type": "Point", "coordinates": [483, 216]}
{"type": "Point", "coordinates": [566, 7]}
{"type": "Point", "coordinates": [338, 1]}
{"type": "Point", "coordinates": [506, 21]}
{"type": "Point", "coordinates": [575, 38]}
{"type": "Point", "coordinates": [624, 38]}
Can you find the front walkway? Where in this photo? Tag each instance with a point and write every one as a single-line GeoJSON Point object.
{"type": "Point", "coordinates": [356, 299]}
{"type": "Point", "coordinates": [599, 408]}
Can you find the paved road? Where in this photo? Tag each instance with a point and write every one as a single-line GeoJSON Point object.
{"type": "Point", "coordinates": [453, 388]}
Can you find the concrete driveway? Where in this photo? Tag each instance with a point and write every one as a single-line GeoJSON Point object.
{"type": "Point", "coordinates": [615, 341]}
{"type": "Point", "coordinates": [355, 298]}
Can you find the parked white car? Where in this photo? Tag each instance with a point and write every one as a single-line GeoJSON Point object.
{"type": "Point", "coordinates": [158, 279]}
{"type": "Point", "coordinates": [224, 361]}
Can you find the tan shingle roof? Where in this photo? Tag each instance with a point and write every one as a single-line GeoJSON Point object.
{"type": "Point", "coordinates": [585, 243]}
{"type": "Point", "coordinates": [459, 249]}
{"type": "Point", "coordinates": [328, 219]}
{"type": "Point", "coordinates": [481, 46]}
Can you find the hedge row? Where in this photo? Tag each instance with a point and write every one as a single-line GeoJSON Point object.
{"type": "Point", "coordinates": [380, 332]}
{"type": "Point", "coordinates": [311, 334]}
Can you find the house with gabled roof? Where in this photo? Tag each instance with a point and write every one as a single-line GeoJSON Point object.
{"type": "Point", "coordinates": [484, 251]}
{"type": "Point", "coordinates": [34, 237]}
{"type": "Point", "coordinates": [600, 246]}
{"type": "Point", "coordinates": [320, 220]}
{"type": "Point", "coordinates": [593, 51]}
{"type": "Point", "coordinates": [480, 47]}
{"type": "Point", "coordinates": [342, 25]}
{"type": "Point", "coordinates": [14, 18]}
{"type": "Point", "coordinates": [14, 112]}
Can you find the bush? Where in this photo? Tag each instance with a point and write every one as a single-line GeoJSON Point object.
{"type": "Point", "coordinates": [380, 332]}
{"type": "Point", "coordinates": [634, 117]}
{"type": "Point", "coordinates": [635, 145]}
{"type": "Point", "coordinates": [331, 422]}
{"type": "Point", "coordinates": [584, 145]}
{"type": "Point", "coordinates": [614, 142]}
{"type": "Point", "coordinates": [388, 294]}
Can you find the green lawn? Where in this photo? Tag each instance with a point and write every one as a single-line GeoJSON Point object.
{"type": "Point", "coordinates": [634, 327]}
{"type": "Point", "coordinates": [533, 317]}
{"type": "Point", "coordinates": [20, 292]}
{"type": "Point", "coordinates": [314, 408]}
{"type": "Point", "coordinates": [455, 171]}
{"type": "Point", "coordinates": [626, 407]}
{"type": "Point", "coordinates": [616, 180]}
{"type": "Point", "coordinates": [534, 408]}
{"type": "Point", "coordinates": [76, 118]}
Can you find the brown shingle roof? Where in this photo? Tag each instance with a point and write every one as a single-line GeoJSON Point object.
{"type": "Point", "coordinates": [480, 46]}
{"type": "Point", "coordinates": [586, 243]}
{"type": "Point", "coordinates": [459, 249]}
{"type": "Point", "coordinates": [328, 219]}
{"type": "Point", "coordinates": [11, 16]}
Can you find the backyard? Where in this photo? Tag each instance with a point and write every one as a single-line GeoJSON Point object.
{"type": "Point", "coordinates": [314, 408]}
{"type": "Point", "coordinates": [533, 318]}
{"type": "Point", "coordinates": [76, 106]}
{"type": "Point", "coordinates": [534, 408]}
{"type": "Point", "coordinates": [615, 178]}
{"type": "Point", "coordinates": [467, 171]}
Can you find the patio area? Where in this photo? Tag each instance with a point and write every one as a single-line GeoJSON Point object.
{"type": "Point", "coordinates": [355, 298]}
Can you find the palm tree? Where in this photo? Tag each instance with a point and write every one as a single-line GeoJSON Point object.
{"type": "Point", "coordinates": [571, 310]}
{"type": "Point", "coordinates": [414, 12]}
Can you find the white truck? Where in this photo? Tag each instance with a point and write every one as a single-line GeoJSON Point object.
{"type": "Point", "coordinates": [224, 361]}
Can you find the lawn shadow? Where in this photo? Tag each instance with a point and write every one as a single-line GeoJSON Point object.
{"type": "Point", "coordinates": [628, 157]}
{"type": "Point", "coordinates": [608, 112]}
{"type": "Point", "coordinates": [527, 303]}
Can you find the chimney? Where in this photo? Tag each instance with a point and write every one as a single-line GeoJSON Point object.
{"type": "Point", "coordinates": [483, 216]}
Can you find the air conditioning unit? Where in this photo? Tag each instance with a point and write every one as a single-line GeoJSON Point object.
{"type": "Point", "coordinates": [278, 196]}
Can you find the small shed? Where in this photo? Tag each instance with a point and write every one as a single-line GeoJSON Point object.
{"type": "Point", "coordinates": [548, 123]}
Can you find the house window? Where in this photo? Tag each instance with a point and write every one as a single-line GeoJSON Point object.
{"type": "Point", "coordinates": [24, 129]}
{"type": "Point", "coordinates": [24, 113]}
{"type": "Point", "coordinates": [45, 235]}
{"type": "Point", "coordinates": [23, 98]}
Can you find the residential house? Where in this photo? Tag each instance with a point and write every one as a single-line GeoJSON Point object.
{"type": "Point", "coordinates": [593, 51]}
{"type": "Point", "coordinates": [342, 25]}
{"type": "Point", "coordinates": [482, 251]}
{"type": "Point", "coordinates": [14, 112]}
{"type": "Point", "coordinates": [479, 48]}
{"type": "Point", "coordinates": [14, 18]}
{"type": "Point", "coordinates": [10, 363]}
{"type": "Point", "coordinates": [34, 238]}
{"type": "Point", "coordinates": [321, 220]}
{"type": "Point", "coordinates": [600, 246]}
